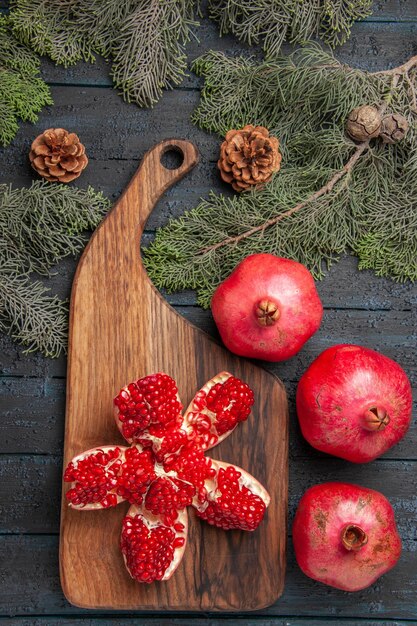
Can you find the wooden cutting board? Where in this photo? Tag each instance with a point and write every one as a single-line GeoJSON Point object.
{"type": "Point", "coordinates": [122, 329]}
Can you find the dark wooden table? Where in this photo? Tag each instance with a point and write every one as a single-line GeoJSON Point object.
{"type": "Point", "coordinates": [359, 308]}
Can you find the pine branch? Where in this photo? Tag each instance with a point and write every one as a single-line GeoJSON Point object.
{"type": "Point", "coordinates": [331, 196]}
{"type": "Point", "coordinates": [145, 38]}
{"type": "Point", "coordinates": [38, 227]}
{"type": "Point", "coordinates": [274, 22]}
{"type": "Point", "coordinates": [147, 54]}
{"type": "Point", "coordinates": [45, 223]}
{"type": "Point", "coordinates": [396, 74]}
{"type": "Point", "coordinates": [30, 315]}
{"type": "Point", "coordinates": [22, 92]}
{"type": "Point", "coordinates": [49, 27]}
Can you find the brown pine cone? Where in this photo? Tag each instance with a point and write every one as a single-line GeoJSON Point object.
{"type": "Point", "coordinates": [394, 128]}
{"type": "Point", "coordinates": [363, 123]}
{"type": "Point", "coordinates": [58, 155]}
{"type": "Point", "coordinates": [248, 157]}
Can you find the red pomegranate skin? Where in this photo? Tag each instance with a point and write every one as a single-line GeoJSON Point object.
{"type": "Point", "coordinates": [289, 289]}
{"type": "Point", "coordinates": [337, 391]}
{"type": "Point", "coordinates": [329, 512]}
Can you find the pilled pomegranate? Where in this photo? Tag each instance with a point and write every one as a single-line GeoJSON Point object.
{"type": "Point", "coordinates": [267, 308]}
{"type": "Point", "coordinates": [165, 470]}
{"type": "Point", "coordinates": [354, 403]}
{"type": "Point", "coordinates": [345, 535]}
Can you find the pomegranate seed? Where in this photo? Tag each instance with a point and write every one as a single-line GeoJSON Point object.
{"type": "Point", "coordinates": [179, 542]}
{"type": "Point", "coordinates": [202, 494]}
{"type": "Point", "coordinates": [199, 401]}
{"type": "Point", "coordinates": [108, 501]}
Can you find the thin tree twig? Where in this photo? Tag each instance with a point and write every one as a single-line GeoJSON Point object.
{"type": "Point", "coordinates": [401, 69]}
{"type": "Point", "coordinates": [327, 188]}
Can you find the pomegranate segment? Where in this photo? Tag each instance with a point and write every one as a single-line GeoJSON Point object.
{"type": "Point", "coordinates": [234, 500]}
{"type": "Point", "coordinates": [354, 403]}
{"type": "Point", "coordinates": [216, 410]}
{"type": "Point", "coordinates": [149, 401]}
{"type": "Point", "coordinates": [151, 549]}
{"type": "Point", "coordinates": [94, 478]}
{"type": "Point", "coordinates": [345, 536]}
{"type": "Point", "coordinates": [103, 477]}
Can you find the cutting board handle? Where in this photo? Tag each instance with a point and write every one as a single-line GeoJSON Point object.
{"type": "Point", "coordinates": [152, 179]}
{"type": "Point", "coordinates": [123, 227]}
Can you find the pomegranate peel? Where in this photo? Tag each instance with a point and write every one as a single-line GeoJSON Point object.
{"type": "Point", "coordinates": [165, 470]}
{"type": "Point", "coordinates": [345, 535]}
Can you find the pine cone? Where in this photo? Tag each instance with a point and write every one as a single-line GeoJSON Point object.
{"type": "Point", "coordinates": [394, 128]}
{"type": "Point", "coordinates": [363, 123]}
{"type": "Point", "coordinates": [58, 155]}
{"type": "Point", "coordinates": [248, 157]}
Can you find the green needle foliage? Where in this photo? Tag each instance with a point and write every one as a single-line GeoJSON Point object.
{"type": "Point", "coordinates": [331, 195]}
{"type": "Point", "coordinates": [144, 38]}
{"type": "Point", "coordinates": [38, 227]}
{"type": "Point", "coordinates": [30, 315]}
{"type": "Point", "coordinates": [22, 92]}
{"type": "Point", "coordinates": [276, 21]}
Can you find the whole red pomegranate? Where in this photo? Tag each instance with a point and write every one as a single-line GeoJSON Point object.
{"type": "Point", "coordinates": [345, 535]}
{"type": "Point", "coordinates": [267, 308]}
{"type": "Point", "coordinates": [354, 403]}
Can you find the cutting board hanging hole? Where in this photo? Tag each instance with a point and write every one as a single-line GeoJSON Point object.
{"type": "Point", "coordinates": [172, 158]}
